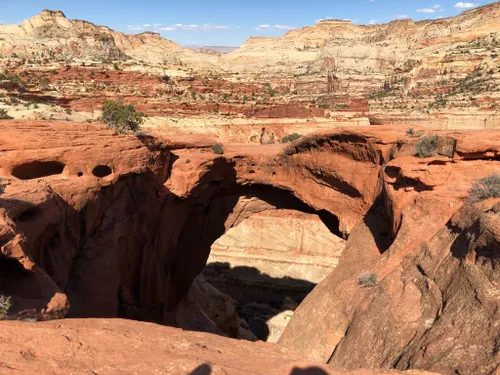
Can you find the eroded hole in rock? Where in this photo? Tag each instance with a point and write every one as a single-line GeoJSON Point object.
{"type": "Point", "coordinates": [28, 215]}
{"type": "Point", "coordinates": [37, 169]}
{"type": "Point", "coordinates": [101, 171]}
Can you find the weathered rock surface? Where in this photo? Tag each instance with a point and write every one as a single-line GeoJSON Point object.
{"type": "Point", "coordinates": [112, 346]}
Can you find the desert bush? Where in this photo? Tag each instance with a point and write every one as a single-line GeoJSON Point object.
{"type": "Point", "coordinates": [290, 137]}
{"type": "Point", "coordinates": [2, 186]}
{"type": "Point", "coordinates": [427, 146]}
{"type": "Point", "coordinates": [487, 187]}
{"type": "Point", "coordinates": [217, 149]}
{"type": "Point", "coordinates": [188, 161]}
{"type": "Point", "coordinates": [121, 117]}
{"type": "Point", "coordinates": [5, 306]}
{"type": "Point", "coordinates": [4, 115]}
{"type": "Point", "coordinates": [367, 279]}
{"type": "Point", "coordinates": [410, 132]}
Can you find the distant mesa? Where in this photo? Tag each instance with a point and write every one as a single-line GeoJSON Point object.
{"type": "Point", "coordinates": [53, 13]}
{"type": "Point", "coordinates": [335, 22]}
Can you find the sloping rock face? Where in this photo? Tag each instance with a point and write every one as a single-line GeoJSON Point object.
{"type": "Point", "coordinates": [51, 35]}
{"type": "Point", "coordinates": [433, 299]}
{"type": "Point", "coordinates": [112, 346]}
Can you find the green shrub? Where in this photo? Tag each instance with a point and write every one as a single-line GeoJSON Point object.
{"type": "Point", "coordinates": [367, 279]}
{"type": "Point", "coordinates": [121, 118]}
{"type": "Point", "coordinates": [290, 138]}
{"type": "Point", "coordinates": [427, 146]}
{"type": "Point", "coordinates": [2, 186]}
{"type": "Point", "coordinates": [217, 149]}
{"type": "Point", "coordinates": [487, 187]}
{"type": "Point", "coordinates": [5, 306]}
{"type": "Point", "coordinates": [116, 67]}
{"type": "Point", "coordinates": [188, 161]}
{"type": "Point", "coordinates": [410, 132]}
{"type": "Point", "coordinates": [4, 115]}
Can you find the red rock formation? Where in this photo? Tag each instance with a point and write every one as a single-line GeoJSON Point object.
{"type": "Point", "coordinates": [435, 305]}
{"type": "Point", "coordinates": [111, 346]}
{"type": "Point", "coordinates": [120, 226]}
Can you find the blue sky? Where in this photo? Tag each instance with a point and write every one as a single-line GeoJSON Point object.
{"type": "Point", "coordinates": [230, 22]}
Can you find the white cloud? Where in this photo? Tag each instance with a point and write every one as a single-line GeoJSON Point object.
{"type": "Point", "coordinates": [268, 27]}
{"type": "Point", "coordinates": [462, 5]}
{"type": "Point", "coordinates": [178, 26]}
{"type": "Point", "coordinates": [435, 8]}
{"type": "Point", "coordinates": [401, 16]}
{"type": "Point", "coordinates": [372, 22]}
{"type": "Point", "coordinates": [283, 27]}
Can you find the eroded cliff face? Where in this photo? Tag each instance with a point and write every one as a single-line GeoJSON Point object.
{"type": "Point", "coordinates": [343, 46]}
{"type": "Point", "coordinates": [51, 35]}
{"type": "Point", "coordinates": [99, 225]}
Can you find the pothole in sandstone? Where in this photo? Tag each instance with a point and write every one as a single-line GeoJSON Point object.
{"type": "Point", "coordinates": [269, 263]}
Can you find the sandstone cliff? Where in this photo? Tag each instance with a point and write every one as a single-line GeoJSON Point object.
{"type": "Point", "coordinates": [51, 35]}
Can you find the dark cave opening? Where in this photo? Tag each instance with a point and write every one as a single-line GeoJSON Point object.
{"type": "Point", "coordinates": [37, 169]}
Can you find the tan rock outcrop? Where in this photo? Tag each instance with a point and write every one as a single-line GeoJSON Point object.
{"type": "Point", "coordinates": [50, 34]}
{"type": "Point", "coordinates": [375, 48]}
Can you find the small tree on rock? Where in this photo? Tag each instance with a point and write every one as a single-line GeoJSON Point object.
{"type": "Point", "coordinates": [5, 305]}
{"type": "Point", "coordinates": [121, 118]}
{"type": "Point", "coordinates": [485, 188]}
{"type": "Point", "coordinates": [4, 115]}
{"type": "Point", "coordinates": [427, 146]}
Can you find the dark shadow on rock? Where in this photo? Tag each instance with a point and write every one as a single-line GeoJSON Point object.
{"type": "Point", "coordinates": [378, 222]}
{"type": "Point", "coordinates": [259, 297]}
{"type": "Point", "coordinates": [202, 370]}
{"type": "Point", "coordinates": [308, 371]}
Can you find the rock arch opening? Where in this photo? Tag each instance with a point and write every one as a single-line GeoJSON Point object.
{"type": "Point", "coordinates": [263, 247]}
